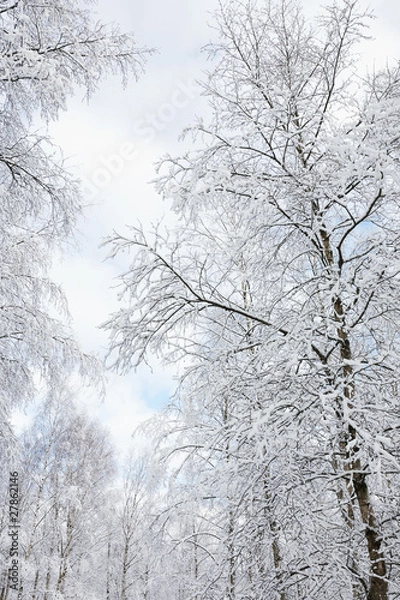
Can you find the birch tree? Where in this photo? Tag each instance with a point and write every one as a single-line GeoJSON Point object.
{"type": "Point", "coordinates": [67, 468]}
{"type": "Point", "coordinates": [48, 50]}
{"type": "Point", "coordinates": [130, 545]}
{"type": "Point", "coordinates": [287, 251]}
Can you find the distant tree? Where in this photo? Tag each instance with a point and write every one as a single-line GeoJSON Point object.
{"type": "Point", "coordinates": [129, 548]}
{"type": "Point", "coordinates": [281, 286]}
{"type": "Point", "coordinates": [140, 561]}
{"type": "Point", "coordinates": [66, 475]}
{"type": "Point", "coordinates": [47, 49]}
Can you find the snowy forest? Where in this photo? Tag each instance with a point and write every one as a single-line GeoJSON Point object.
{"type": "Point", "coordinates": [274, 471]}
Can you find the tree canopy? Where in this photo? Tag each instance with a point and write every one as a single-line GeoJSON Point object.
{"type": "Point", "coordinates": [47, 50]}
{"type": "Point", "coordinates": [279, 292]}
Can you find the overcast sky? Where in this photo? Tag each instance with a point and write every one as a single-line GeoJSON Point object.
{"type": "Point", "coordinates": [113, 144]}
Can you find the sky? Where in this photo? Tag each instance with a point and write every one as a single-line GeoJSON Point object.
{"type": "Point", "coordinates": [113, 143]}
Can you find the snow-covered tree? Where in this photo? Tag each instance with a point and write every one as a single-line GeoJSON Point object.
{"type": "Point", "coordinates": [66, 472]}
{"type": "Point", "coordinates": [129, 548]}
{"type": "Point", "coordinates": [279, 291]}
{"type": "Point", "coordinates": [47, 50]}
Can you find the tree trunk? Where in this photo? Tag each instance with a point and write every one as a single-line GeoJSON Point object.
{"type": "Point", "coordinates": [108, 570]}
{"type": "Point", "coordinates": [125, 567]}
{"type": "Point", "coordinates": [378, 587]}
{"type": "Point", "coordinates": [357, 484]}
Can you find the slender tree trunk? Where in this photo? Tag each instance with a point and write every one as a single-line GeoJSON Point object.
{"type": "Point", "coordinates": [195, 563]}
{"type": "Point", "coordinates": [231, 580]}
{"type": "Point", "coordinates": [277, 557]}
{"type": "Point", "coordinates": [378, 584]}
{"type": "Point", "coordinates": [5, 588]}
{"type": "Point", "coordinates": [125, 569]}
{"type": "Point", "coordinates": [64, 557]}
{"type": "Point", "coordinates": [35, 585]}
{"type": "Point", "coordinates": [108, 570]}
{"type": "Point", "coordinates": [231, 566]}
{"type": "Point", "coordinates": [346, 507]}
{"type": "Point", "coordinates": [274, 533]}
{"type": "Point", "coordinates": [146, 591]}
{"type": "Point", "coordinates": [47, 585]}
